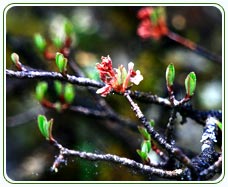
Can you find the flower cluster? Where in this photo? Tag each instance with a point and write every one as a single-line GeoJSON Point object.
{"type": "Point", "coordinates": [116, 79]}
{"type": "Point", "coordinates": [153, 23]}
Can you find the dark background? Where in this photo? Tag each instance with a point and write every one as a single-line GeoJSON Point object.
{"type": "Point", "coordinates": [102, 31]}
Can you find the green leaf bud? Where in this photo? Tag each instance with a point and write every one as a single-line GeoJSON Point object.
{"type": "Point", "coordinates": [190, 84]}
{"type": "Point", "coordinates": [68, 27]}
{"type": "Point", "coordinates": [45, 126]}
{"type": "Point", "coordinates": [57, 42]}
{"type": "Point", "coordinates": [14, 58]}
{"type": "Point", "coordinates": [144, 133]}
{"type": "Point", "coordinates": [69, 93]}
{"type": "Point", "coordinates": [146, 146]}
{"type": "Point", "coordinates": [170, 75]}
{"type": "Point", "coordinates": [58, 87]}
{"type": "Point", "coordinates": [41, 89]}
{"type": "Point", "coordinates": [61, 62]}
{"type": "Point", "coordinates": [143, 155]}
{"type": "Point", "coordinates": [40, 42]}
{"type": "Point", "coordinates": [152, 123]}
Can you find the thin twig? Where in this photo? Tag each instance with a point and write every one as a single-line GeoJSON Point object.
{"type": "Point", "coordinates": [212, 170]}
{"type": "Point", "coordinates": [169, 128]}
{"type": "Point", "coordinates": [157, 137]}
{"type": "Point", "coordinates": [55, 76]}
{"type": "Point", "coordinates": [194, 47]}
{"type": "Point", "coordinates": [186, 111]}
{"type": "Point", "coordinates": [63, 152]}
{"type": "Point", "coordinates": [104, 115]}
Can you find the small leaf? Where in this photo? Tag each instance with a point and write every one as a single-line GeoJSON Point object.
{"type": "Point", "coordinates": [143, 155]}
{"type": "Point", "coordinates": [57, 42]}
{"type": "Point", "coordinates": [146, 146]}
{"type": "Point", "coordinates": [58, 87]}
{"type": "Point", "coordinates": [40, 42]}
{"type": "Point", "coordinates": [144, 133]}
{"type": "Point", "coordinates": [68, 27]}
{"type": "Point", "coordinates": [219, 124]}
{"type": "Point", "coordinates": [170, 75]}
{"type": "Point", "coordinates": [154, 17]}
{"type": "Point", "coordinates": [161, 12]}
{"type": "Point", "coordinates": [61, 62]}
{"type": "Point", "coordinates": [14, 58]}
{"type": "Point", "coordinates": [41, 89]}
{"type": "Point", "coordinates": [190, 84]}
{"type": "Point", "coordinates": [69, 93]}
{"type": "Point", "coordinates": [42, 124]}
{"type": "Point", "coordinates": [45, 127]}
{"type": "Point", "coordinates": [121, 74]}
{"type": "Point", "coordinates": [152, 123]}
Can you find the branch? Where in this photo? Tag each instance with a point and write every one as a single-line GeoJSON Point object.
{"type": "Point", "coordinates": [212, 170]}
{"type": "Point", "coordinates": [208, 162]}
{"type": "Point", "coordinates": [172, 150]}
{"type": "Point", "coordinates": [185, 110]}
{"type": "Point", "coordinates": [103, 115]}
{"type": "Point", "coordinates": [194, 47]}
{"type": "Point", "coordinates": [54, 76]}
{"type": "Point", "coordinates": [175, 174]}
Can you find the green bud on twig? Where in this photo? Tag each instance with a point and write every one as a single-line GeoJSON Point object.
{"type": "Point", "coordinates": [152, 123]}
{"type": "Point", "coordinates": [146, 146]}
{"type": "Point", "coordinates": [15, 59]}
{"type": "Point", "coordinates": [58, 87]}
{"type": "Point", "coordinates": [69, 93]}
{"type": "Point", "coordinates": [40, 42]}
{"type": "Point", "coordinates": [68, 27]}
{"type": "Point", "coordinates": [61, 62]}
{"type": "Point", "coordinates": [219, 124]}
{"type": "Point", "coordinates": [41, 89]}
{"type": "Point", "coordinates": [154, 17]}
{"type": "Point", "coordinates": [190, 84]}
{"type": "Point", "coordinates": [170, 75]}
{"type": "Point", "coordinates": [45, 127]}
{"type": "Point", "coordinates": [143, 155]}
{"type": "Point", "coordinates": [144, 133]}
{"type": "Point", "coordinates": [57, 42]}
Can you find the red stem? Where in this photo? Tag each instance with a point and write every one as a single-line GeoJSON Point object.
{"type": "Point", "coordinates": [193, 46]}
{"type": "Point", "coordinates": [183, 41]}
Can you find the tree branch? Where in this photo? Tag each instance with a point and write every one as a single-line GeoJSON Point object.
{"type": "Point", "coordinates": [55, 76]}
{"type": "Point", "coordinates": [146, 169]}
{"type": "Point", "coordinates": [176, 152]}
{"type": "Point", "coordinates": [208, 162]}
{"type": "Point", "coordinates": [185, 110]}
{"type": "Point", "coordinates": [103, 115]}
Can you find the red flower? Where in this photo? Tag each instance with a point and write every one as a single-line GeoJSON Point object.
{"type": "Point", "coordinates": [144, 12]}
{"type": "Point", "coordinates": [116, 79]}
{"type": "Point", "coordinates": [105, 69]}
{"type": "Point", "coordinates": [153, 24]}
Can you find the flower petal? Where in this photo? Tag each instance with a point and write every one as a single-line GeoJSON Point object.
{"type": "Point", "coordinates": [104, 91]}
{"type": "Point", "coordinates": [137, 78]}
